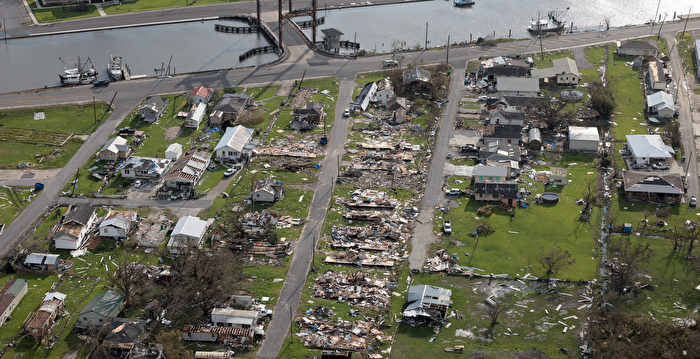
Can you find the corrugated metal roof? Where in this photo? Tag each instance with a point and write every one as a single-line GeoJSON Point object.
{"type": "Point", "coordinates": [235, 138]}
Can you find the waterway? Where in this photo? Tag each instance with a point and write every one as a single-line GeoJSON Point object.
{"type": "Point", "coordinates": [29, 63]}
{"type": "Point", "coordinates": [404, 26]}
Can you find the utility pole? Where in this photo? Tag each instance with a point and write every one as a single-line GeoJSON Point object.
{"type": "Point", "coordinates": [94, 110]}
{"type": "Point", "coordinates": [539, 30]}
{"type": "Point", "coordinates": [682, 33]}
{"type": "Point", "coordinates": [258, 7]}
{"type": "Point", "coordinates": [313, 25]}
{"type": "Point", "coordinates": [447, 56]}
{"type": "Point", "coordinates": [658, 36]}
{"type": "Point", "coordinates": [426, 35]}
{"type": "Point", "coordinates": [4, 29]}
{"type": "Point", "coordinates": [279, 22]}
{"type": "Point", "coordinates": [290, 5]}
{"type": "Point", "coordinates": [653, 21]}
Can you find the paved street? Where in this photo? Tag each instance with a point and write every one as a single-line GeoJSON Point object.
{"type": "Point", "coordinates": [299, 62]}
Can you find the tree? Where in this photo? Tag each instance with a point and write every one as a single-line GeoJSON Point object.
{"type": "Point", "coordinates": [493, 313]}
{"type": "Point", "coordinates": [173, 347]}
{"type": "Point", "coordinates": [396, 78]}
{"type": "Point", "coordinates": [673, 132]}
{"type": "Point", "coordinates": [126, 279]}
{"type": "Point", "coordinates": [625, 266]}
{"type": "Point", "coordinates": [554, 115]}
{"type": "Point", "coordinates": [589, 196]}
{"type": "Point", "coordinates": [554, 260]}
{"type": "Point", "coordinates": [602, 100]}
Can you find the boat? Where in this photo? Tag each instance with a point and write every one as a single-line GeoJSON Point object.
{"type": "Point", "coordinates": [464, 2]}
{"type": "Point", "coordinates": [79, 74]}
{"type": "Point", "coordinates": [551, 24]}
{"type": "Point", "coordinates": [114, 67]}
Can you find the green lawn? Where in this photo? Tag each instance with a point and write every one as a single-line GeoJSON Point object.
{"type": "Point", "coordinates": [37, 287]}
{"type": "Point", "coordinates": [548, 57]}
{"type": "Point", "coordinates": [263, 92]}
{"type": "Point", "coordinates": [60, 14]}
{"type": "Point", "coordinates": [12, 202]}
{"type": "Point", "coordinates": [86, 185]}
{"type": "Point", "coordinates": [634, 212]}
{"type": "Point", "coordinates": [686, 45]}
{"type": "Point", "coordinates": [141, 5]}
{"type": "Point", "coordinates": [629, 96]}
{"type": "Point", "coordinates": [48, 134]}
{"type": "Point", "coordinates": [515, 245]}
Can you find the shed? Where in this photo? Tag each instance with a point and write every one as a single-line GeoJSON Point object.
{"type": "Point", "coordinates": [229, 317]}
{"type": "Point", "coordinates": [189, 232]}
{"type": "Point", "coordinates": [535, 138]}
{"type": "Point", "coordinates": [100, 310]}
{"type": "Point", "coordinates": [42, 261]}
{"type": "Point", "coordinates": [583, 139]}
{"type": "Point", "coordinates": [173, 152]}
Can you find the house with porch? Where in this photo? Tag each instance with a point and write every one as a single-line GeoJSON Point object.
{"type": "Point", "coordinates": [664, 188]}
{"type": "Point", "coordinates": [186, 172]}
{"type": "Point", "coordinates": [235, 144]}
{"type": "Point", "coordinates": [152, 109]}
{"type": "Point", "coordinates": [75, 226]}
{"type": "Point", "coordinates": [115, 149]}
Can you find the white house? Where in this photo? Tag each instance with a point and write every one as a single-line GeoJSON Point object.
{"type": "Point", "coordinates": [100, 310]}
{"type": "Point", "coordinates": [655, 75]}
{"type": "Point", "coordinates": [195, 117]}
{"type": "Point", "coordinates": [583, 139]}
{"type": "Point", "coordinates": [563, 72]}
{"type": "Point", "coordinates": [648, 148]}
{"type": "Point", "coordinates": [199, 95]}
{"type": "Point", "coordinates": [117, 224]}
{"type": "Point", "coordinates": [75, 226]}
{"type": "Point", "coordinates": [189, 232]}
{"type": "Point", "coordinates": [145, 168]}
{"type": "Point", "coordinates": [518, 86]}
{"type": "Point", "coordinates": [267, 190]}
{"type": "Point", "coordinates": [661, 103]}
{"type": "Point", "coordinates": [173, 152]}
{"type": "Point", "coordinates": [115, 149]}
{"type": "Point", "coordinates": [384, 93]}
{"type": "Point", "coordinates": [235, 144]}
{"type": "Point", "coordinates": [228, 317]}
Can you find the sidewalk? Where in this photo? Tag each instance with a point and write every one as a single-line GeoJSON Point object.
{"type": "Point", "coordinates": [29, 11]}
{"type": "Point", "coordinates": [100, 10]}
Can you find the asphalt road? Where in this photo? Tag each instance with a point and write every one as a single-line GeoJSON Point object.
{"type": "Point", "coordinates": [312, 65]}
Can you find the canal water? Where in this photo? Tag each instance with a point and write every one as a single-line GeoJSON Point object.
{"type": "Point", "coordinates": [403, 26]}
{"type": "Point", "coordinates": [29, 63]}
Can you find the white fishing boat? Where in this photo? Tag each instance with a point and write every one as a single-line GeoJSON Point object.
{"type": "Point", "coordinates": [114, 67]}
{"type": "Point", "coordinates": [81, 73]}
{"type": "Point", "coordinates": [551, 24]}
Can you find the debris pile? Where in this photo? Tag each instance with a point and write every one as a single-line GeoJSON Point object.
{"type": "Point", "coordinates": [356, 288]}
{"type": "Point", "coordinates": [354, 257]}
{"type": "Point", "coordinates": [291, 148]}
{"type": "Point", "coordinates": [442, 262]}
{"type": "Point", "coordinates": [256, 221]}
{"type": "Point", "coordinates": [317, 331]}
{"type": "Point", "coordinates": [370, 199]}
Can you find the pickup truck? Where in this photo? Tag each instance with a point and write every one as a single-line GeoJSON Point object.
{"type": "Point", "coordinates": [453, 192]}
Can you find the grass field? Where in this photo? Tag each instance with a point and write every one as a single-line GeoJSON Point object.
{"type": "Point", "coordinates": [516, 243]}
{"type": "Point", "coordinates": [629, 96]}
{"type": "Point", "coordinates": [548, 57]}
{"type": "Point", "coordinates": [12, 202]}
{"type": "Point", "coordinates": [595, 55]}
{"type": "Point", "coordinates": [142, 5]}
{"type": "Point", "coordinates": [686, 46]}
{"type": "Point", "coordinates": [16, 146]}
{"type": "Point", "coordinates": [60, 14]}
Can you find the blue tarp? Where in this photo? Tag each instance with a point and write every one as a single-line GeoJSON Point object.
{"type": "Point", "coordinates": [215, 129]}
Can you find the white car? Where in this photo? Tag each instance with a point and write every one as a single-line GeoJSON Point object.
{"type": "Point", "coordinates": [229, 172]}
{"type": "Point", "coordinates": [346, 113]}
{"type": "Point", "coordinates": [453, 191]}
{"type": "Point", "coordinates": [447, 227]}
{"type": "Point", "coordinates": [390, 63]}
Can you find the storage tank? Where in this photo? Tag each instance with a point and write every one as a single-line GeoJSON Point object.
{"type": "Point", "coordinates": [535, 139]}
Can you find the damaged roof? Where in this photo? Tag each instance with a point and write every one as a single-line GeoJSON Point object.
{"type": "Point", "coordinates": [421, 295]}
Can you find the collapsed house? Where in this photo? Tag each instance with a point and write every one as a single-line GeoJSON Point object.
{"type": "Point", "coordinates": [370, 199]}
{"type": "Point", "coordinates": [373, 237]}
{"type": "Point", "coordinates": [38, 325]}
{"type": "Point", "coordinates": [145, 168]}
{"type": "Point", "coordinates": [188, 170]}
{"type": "Point", "coordinates": [356, 288]}
{"type": "Point", "coordinates": [237, 337]}
{"type": "Point", "coordinates": [362, 259]}
{"type": "Point", "coordinates": [427, 304]}
{"type": "Point", "coordinates": [317, 330]}
{"type": "Point", "coordinates": [309, 117]}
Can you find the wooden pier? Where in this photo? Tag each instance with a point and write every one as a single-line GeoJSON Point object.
{"type": "Point", "coordinates": [235, 29]}
{"type": "Point", "coordinates": [309, 23]}
{"type": "Point", "coordinates": [258, 50]}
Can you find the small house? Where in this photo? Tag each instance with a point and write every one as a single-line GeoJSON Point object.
{"type": "Point", "coordinates": [235, 144]}
{"type": "Point", "coordinates": [188, 232]}
{"type": "Point", "coordinates": [117, 224]}
{"type": "Point", "coordinates": [309, 117]}
{"type": "Point", "coordinates": [661, 104]}
{"type": "Point", "coordinates": [645, 48]}
{"type": "Point", "coordinates": [646, 149]}
{"type": "Point", "coordinates": [188, 170]}
{"type": "Point", "coordinates": [173, 152]}
{"type": "Point", "coordinates": [503, 117]}
{"type": "Point", "coordinates": [505, 192]}
{"type": "Point", "coordinates": [237, 337]}
{"type": "Point", "coordinates": [331, 39]}
{"type": "Point", "coordinates": [145, 168]}
{"type": "Point", "coordinates": [101, 308]}
{"type": "Point", "coordinates": [42, 261]}
{"type": "Point", "coordinates": [75, 225]}
{"type": "Point", "coordinates": [229, 317]}
{"type": "Point", "coordinates": [362, 99]}
{"type": "Point", "coordinates": [664, 188]}
{"type": "Point", "coordinates": [517, 86]}
{"type": "Point", "coordinates": [655, 75]}
{"type": "Point", "coordinates": [152, 109]}
{"type": "Point", "coordinates": [493, 68]}
{"type": "Point", "coordinates": [555, 176]}
{"type": "Point", "coordinates": [229, 108]}
{"type": "Point", "coordinates": [199, 95]}
{"type": "Point", "coordinates": [39, 324]}
{"type": "Point", "coordinates": [384, 93]}
{"type": "Point", "coordinates": [504, 133]}
{"type": "Point", "coordinates": [115, 149]}
{"type": "Point", "coordinates": [484, 173]}
{"type": "Point", "coordinates": [583, 139]}
{"type": "Point", "coordinates": [520, 103]}
{"type": "Point", "coordinates": [10, 295]}
{"type": "Point", "coordinates": [122, 335]}
{"type": "Point", "coordinates": [426, 304]}
{"type": "Point", "coordinates": [417, 79]}
{"type": "Point", "coordinates": [194, 119]}
{"type": "Point", "coordinates": [563, 72]}
{"type": "Point", "coordinates": [267, 190]}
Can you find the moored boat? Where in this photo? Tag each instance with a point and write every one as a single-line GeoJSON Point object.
{"type": "Point", "coordinates": [114, 67]}
{"type": "Point", "coordinates": [464, 2]}
{"type": "Point", "coordinates": [81, 73]}
{"type": "Point", "coordinates": [551, 24]}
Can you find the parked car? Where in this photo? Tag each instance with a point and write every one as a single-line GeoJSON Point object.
{"type": "Point", "coordinates": [639, 166]}
{"type": "Point", "coordinates": [390, 63]}
{"type": "Point", "coordinates": [346, 113]}
{"type": "Point", "coordinates": [482, 98]}
{"type": "Point", "coordinates": [447, 227]}
{"type": "Point", "coordinates": [100, 83]}
{"type": "Point", "coordinates": [137, 184]}
{"type": "Point", "coordinates": [693, 201]}
{"type": "Point", "coordinates": [660, 166]}
{"type": "Point", "coordinates": [453, 191]}
{"type": "Point", "coordinates": [229, 172]}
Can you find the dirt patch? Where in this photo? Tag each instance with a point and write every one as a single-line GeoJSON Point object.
{"type": "Point", "coordinates": [301, 97]}
{"type": "Point", "coordinates": [173, 132]}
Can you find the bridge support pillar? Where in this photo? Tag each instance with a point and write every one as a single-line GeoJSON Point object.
{"type": "Point", "coordinates": [279, 19]}
{"type": "Point", "coordinates": [313, 22]}
{"type": "Point", "coordinates": [258, 8]}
